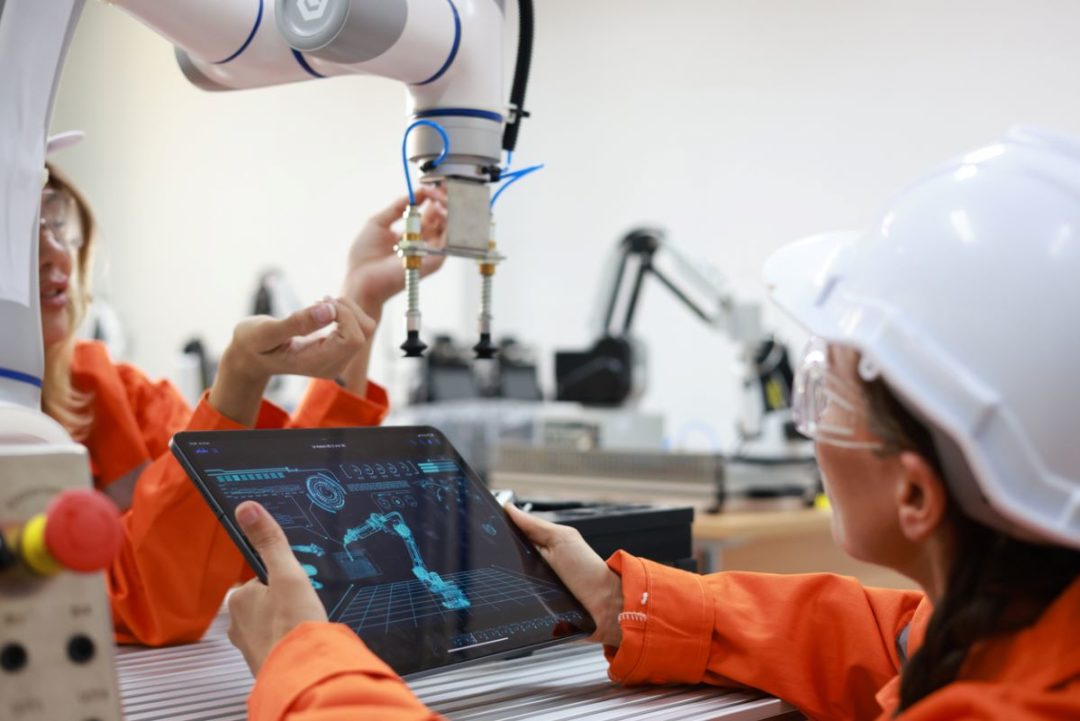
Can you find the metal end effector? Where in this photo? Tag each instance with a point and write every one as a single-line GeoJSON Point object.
{"type": "Point", "coordinates": [413, 248]}
{"type": "Point", "coordinates": [486, 348]}
{"type": "Point", "coordinates": [462, 162]}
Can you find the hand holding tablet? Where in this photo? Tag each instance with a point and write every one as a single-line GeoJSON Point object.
{"type": "Point", "coordinates": [261, 615]}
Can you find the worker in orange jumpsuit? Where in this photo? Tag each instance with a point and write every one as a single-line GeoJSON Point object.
{"type": "Point", "coordinates": [176, 562]}
{"type": "Point", "coordinates": [944, 410]}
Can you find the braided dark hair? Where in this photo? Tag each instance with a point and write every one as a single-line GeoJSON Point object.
{"type": "Point", "coordinates": [997, 584]}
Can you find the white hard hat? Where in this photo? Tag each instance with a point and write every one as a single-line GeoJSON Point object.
{"type": "Point", "coordinates": [965, 298]}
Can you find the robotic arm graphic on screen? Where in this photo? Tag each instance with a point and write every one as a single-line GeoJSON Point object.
{"type": "Point", "coordinates": [393, 524]}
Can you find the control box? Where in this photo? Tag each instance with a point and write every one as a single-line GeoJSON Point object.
{"type": "Point", "coordinates": [56, 641]}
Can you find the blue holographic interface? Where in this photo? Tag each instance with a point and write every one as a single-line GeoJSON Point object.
{"type": "Point", "coordinates": [399, 538]}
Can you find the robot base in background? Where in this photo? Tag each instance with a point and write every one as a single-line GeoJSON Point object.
{"type": "Point", "coordinates": [56, 640]}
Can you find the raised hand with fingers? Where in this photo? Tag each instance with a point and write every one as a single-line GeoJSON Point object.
{"type": "Point", "coordinates": [262, 347]}
{"type": "Point", "coordinates": [374, 273]}
{"type": "Point", "coordinates": [586, 575]}
{"type": "Point", "coordinates": [261, 615]}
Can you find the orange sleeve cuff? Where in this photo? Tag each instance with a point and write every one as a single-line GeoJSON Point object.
{"type": "Point", "coordinates": [308, 655]}
{"type": "Point", "coordinates": [271, 416]}
{"type": "Point", "coordinates": [328, 405]}
{"type": "Point", "coordinates": [666, 623]}
{"type": "Point", "coordinates": [208, 418]}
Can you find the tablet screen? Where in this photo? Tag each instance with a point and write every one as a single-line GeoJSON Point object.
{"type": "Point", "coordinates": [401, 541]}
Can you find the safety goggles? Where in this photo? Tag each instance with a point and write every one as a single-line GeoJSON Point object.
{"type": "Point", "coordinates": [827, 407]}
{"type": "Point", "coordinates": [57, 210]}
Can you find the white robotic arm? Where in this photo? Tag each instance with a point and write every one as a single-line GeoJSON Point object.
{"type": "Point", "coordinates": [447, 52]}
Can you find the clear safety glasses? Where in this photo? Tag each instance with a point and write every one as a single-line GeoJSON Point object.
{"type": "Point", "coordinates": [57, 210]}
{"type": "Point", "coordinates": [827, 407]}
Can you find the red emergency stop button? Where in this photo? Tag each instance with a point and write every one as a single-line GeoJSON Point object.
{"type": "Point", "coordinates": [82, 530]}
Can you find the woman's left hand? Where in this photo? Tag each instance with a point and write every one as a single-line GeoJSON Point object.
{"type": "Point", "coordinates": [261, 615]}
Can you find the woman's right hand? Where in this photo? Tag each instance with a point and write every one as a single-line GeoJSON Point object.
{"type": "Point", "coordinates": [586, 575]}
{"type": "Point", "coordinates": [262, 347]}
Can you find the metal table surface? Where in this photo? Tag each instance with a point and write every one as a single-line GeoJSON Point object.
{"type": "Point", "coordinates": [209, 681]}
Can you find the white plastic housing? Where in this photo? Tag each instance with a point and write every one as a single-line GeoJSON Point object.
{"type": "Point", "coordinates": [420, 52]}
{"type": "Point", "coordinates": [210, 30]}
{"type": "Point", "coordinates": [206, 33]}
{"type": "Point", "coordinates": [448, 53]}
{"type": "Point", "coordinates": [34, 37]}
{"type": "Point", "coordinates": [236, 44]}
{"type": "Point", "coordinates": [475, 78]}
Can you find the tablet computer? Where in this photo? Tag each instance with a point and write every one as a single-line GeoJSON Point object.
{"type": "Point", "coordinates": [401, 540]}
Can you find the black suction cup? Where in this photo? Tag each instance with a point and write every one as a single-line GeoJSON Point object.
{"type": "Point", "coordinates": [485, 349]}
{"type": "Point", "coordinates": [413, 346]}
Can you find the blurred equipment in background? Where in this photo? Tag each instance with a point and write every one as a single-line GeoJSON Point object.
{"type": "Point", "coordinates": [613, 371]}
{"type": "Point", "coordinates": [451, 374]}
{"type": "Point", "coordinates": [448, 374]}
{"type": "Point", "coordinates": [274, 296]}
{"type": "Point", "coordinates": [627, 475]}
{"type": "Point", "coordinates": [708, 482]}
{"type": "Point", "coordinates": [103, 324]}
{"type": "Point", "coordinates": [518, 377]}
{"type": "Point", "coordinates": [194, 370]}
{"type": "Point", "coordinates": [478, 427]}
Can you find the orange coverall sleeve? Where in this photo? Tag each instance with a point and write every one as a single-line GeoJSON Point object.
{"type": "Point", "coordinates": [177, 561]}
{"type": "Point", "coordinates": [327, 405]}
{"type": "Point", "coordinates": [324, 672]}
{"type": "Point", "coordinates": [823, 643]}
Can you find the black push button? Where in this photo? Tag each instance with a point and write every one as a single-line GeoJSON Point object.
{"type": "Point", "coordinates": [80, 648]}
{"type": "Point", "coordinates": [12, 657]}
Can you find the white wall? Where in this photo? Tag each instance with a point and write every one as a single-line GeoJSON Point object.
{"type": "Point", "coordinates": [736, 125]}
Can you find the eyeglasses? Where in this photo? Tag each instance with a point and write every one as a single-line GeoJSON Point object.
{"type": "Point", "coordinates": [57, 209]}
{"type": "Point", "coordinates": [826, 407]}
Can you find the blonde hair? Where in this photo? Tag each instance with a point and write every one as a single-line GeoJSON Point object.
{"type": "Point", "coordinates": [59, 397]}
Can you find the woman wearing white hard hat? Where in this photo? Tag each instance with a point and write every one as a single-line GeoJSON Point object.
{"type": "Point", "coordinates": [176, 563]}
{"type": "Point", "coordinates": [941, 391]}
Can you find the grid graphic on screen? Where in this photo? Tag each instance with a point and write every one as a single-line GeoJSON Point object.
{"type": "Point", "coordinates": [405, 602]}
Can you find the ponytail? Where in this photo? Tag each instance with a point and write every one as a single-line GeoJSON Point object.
{"type": "Point", "coordinates": [997, 584]}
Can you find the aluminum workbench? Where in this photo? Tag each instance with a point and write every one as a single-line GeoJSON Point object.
{"type": "Point", "coordinates": [209, 681]}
